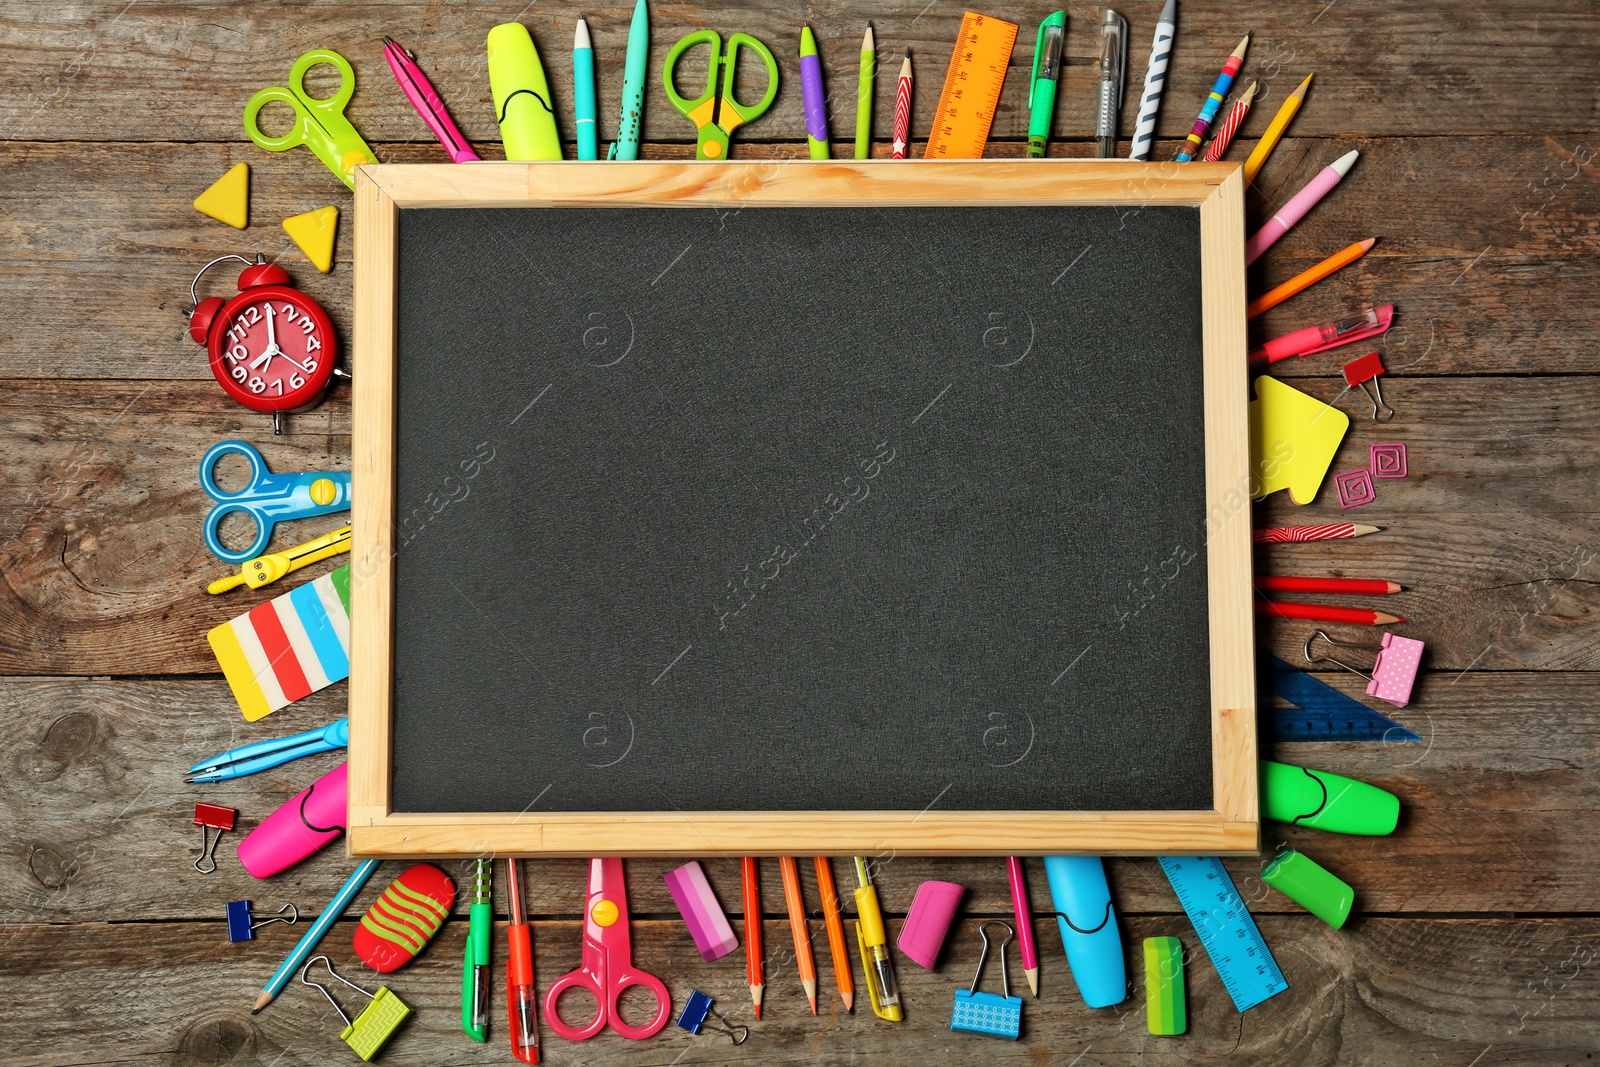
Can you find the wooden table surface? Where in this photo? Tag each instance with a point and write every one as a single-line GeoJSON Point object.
{"type": "Point", "coordinates": [1477, 935]}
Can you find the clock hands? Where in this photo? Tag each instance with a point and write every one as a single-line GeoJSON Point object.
{"type": "Point", "coordinates": [272, 348]}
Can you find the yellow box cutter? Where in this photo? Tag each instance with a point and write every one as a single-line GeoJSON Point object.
{"type": "Point", "coordinates": [269, 568]}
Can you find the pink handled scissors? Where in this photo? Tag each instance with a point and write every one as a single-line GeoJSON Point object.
{"type": "Point", "coordinates": [607, 967]}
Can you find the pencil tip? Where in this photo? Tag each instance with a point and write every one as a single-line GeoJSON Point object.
{"type": "Point", "coordinates": [1394, 587]}
{"type": "Point", "coordinates": [849, 1001]}
{"type": "Point", "coordinates": [1366, 246]}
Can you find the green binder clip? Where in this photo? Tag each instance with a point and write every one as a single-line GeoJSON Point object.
{"type": "Point", "coordinates": [378, 1020]}
{"type": "Point", "coordinates": [1324, 801]}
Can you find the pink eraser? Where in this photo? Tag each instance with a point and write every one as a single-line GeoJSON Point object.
{"type": "Point", "coordinates": [701, 912]}
{"type": "Point", "coordinates": [310, 819]}
{"type": "Point", "coordinates": [932, 912]}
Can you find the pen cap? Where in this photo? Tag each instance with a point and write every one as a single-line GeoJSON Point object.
{"type": "Point", "coordinates": [927, 923]}
{"type": "Point", "coordinates": [1310, 885]}
{"type": "Point", "coordinates": [1088, 926]}
{"type": "Point", "coordinates": [310, 819]}
{"type": "Point", "coordinates": [1326, 801]}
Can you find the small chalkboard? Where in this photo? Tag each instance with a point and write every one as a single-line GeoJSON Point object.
{"type": "Point", "coordinates": [777, 508]}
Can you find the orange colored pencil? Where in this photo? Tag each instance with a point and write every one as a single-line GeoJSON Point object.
{"type": "Point", "coordinates": [752, 930]}
{"type": "Point", "coordinates": [800, 928]}
{"type": "Point", "coordinates": [1307, 278]}
{"type": "Point", "coordinates": [836, 943]}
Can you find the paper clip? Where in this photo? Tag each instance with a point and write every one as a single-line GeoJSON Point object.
{"type": "Point", "coordinates": [1358, 373]}
{"type": "Point", "coordinates": [211, 817]}
{"type": "Point", "coordinates": [693, 1019]}
{"type": "Point", "coordinates": [985, 1013]}
{"type": "Point", "coordinates": [1394, 670]}
{"type": "Point", "coordinates": [240, 926]}
{"type": "Point", "coordinates": [378, 1020]}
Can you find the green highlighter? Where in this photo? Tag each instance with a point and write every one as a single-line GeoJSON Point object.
{"type": "Point", "coordinates": [1166, 1012]}
{"type": "Point", "coordinates": [1312, 886]}
{"type": "Point", "coordinates": [521, 95]}
{"type": "Point", "coordinates": [475, 969]}
{"type": "Point", "coordinates": [1042, 83]}
{"type": "Point", "coordinates": [1325, 801]}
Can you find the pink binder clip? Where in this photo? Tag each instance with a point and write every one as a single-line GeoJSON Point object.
{"type": "Point", "coordinates": [1394, 670]}
{"type": "Point", "coordinates": [1367, 369]}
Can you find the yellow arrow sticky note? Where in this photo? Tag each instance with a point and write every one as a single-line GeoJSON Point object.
{"type": "Point", "coordinates": [228, 199]}
{"type": "Point", "coordinates": [314, 232]}
{"type": "Point", "coordinates": [1293, 437]}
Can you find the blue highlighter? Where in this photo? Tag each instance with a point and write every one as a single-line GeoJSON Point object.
{"type": "Point", "coordinates": [1088, 928]}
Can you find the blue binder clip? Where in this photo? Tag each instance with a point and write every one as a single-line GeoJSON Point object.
{"type": "Point", "coordinates": [985, 1013]}
{"type": "Point", "coordinates": [242, 926]}
{"type": "Point", "coordinates": [693, 1018]}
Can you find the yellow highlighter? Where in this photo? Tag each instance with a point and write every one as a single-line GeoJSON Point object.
{"type": "Point", "coordinates": [882, 991]}
{"type": "Point", "coordinates": [521, 95]}
{"type": "Point", "coordinates": [269, 568]}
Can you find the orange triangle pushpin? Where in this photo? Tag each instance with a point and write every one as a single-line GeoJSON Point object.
{"type": "Point", "coordinates": [314, 233]}
{"type": "Point", "coordinates": [228, 199]}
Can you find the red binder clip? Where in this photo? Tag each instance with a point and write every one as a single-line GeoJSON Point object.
{"type": "Point", "coordinates": [1362, 371]}
{"type": "Point", "coordinates": [211, 817]}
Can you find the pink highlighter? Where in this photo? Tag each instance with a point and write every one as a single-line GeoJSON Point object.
{"type": "Point", "coordinates": [309, 820]}
{"type": "Point", "coordinates": [1312, 339]}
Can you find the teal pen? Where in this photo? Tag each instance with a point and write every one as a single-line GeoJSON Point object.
{"type": "Point", "coordinates": [583, 102]}
{"type": "Point", "coordinates": [626, 145]}
{"type": "Point", "coordinates": [308, 940]}
{"type": "Point", "coordinates": [475, 967]}
{"type": "Point", "coordinates": [1042, 85]}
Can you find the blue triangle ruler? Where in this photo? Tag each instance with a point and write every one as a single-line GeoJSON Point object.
{"type": "Point", "coordinates": [1322, 713]}
{"type": "Point", "coordinates": [1226, 930]}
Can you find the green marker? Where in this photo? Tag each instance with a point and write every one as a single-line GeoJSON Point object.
{"type": "Point", "coordinates": [521, 95]}
{"type": "Point", "coordinates": [1324, 801]}
{"type": "Point", "coordinates": [1310, 885]}
{"type": "Point", "coordinates": [1042, 84]}
{"type": "Point", "coordinates": [475, 969]}
{"type": "Point", "coordinates": [869, 71]}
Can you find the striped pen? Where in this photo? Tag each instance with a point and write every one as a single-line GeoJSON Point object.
{"type": "Point", "coordinates": [1208, 110]}
{"type": "Point", "coordinates": [1230, 126]}
{"type": "Point", "coordinates": [1155, 79]}
{"type": "Point", "coordinates": [902, 111]}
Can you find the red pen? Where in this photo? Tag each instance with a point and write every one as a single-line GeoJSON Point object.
{"type": "Point", "coordinates": [1369, 323]}
{"type": "Point", "coordinates": [520, 993]}
{"type": "Point", "coordinates": [420, 92]}
{"type": "Point", "coordinates": [1019, 902]}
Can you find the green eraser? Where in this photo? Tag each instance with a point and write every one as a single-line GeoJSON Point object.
{"type": "Point", "coordinates": [1164, 1008]}
{"type": "Point", "coordinates": [1312, 886]}
{"type": "Point", "coordinates": [1326, 801]}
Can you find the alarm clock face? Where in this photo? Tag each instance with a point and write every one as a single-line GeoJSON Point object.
{"type": "Point", "coordinates": [272, 349]}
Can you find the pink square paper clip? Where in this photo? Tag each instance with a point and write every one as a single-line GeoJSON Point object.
{"type": "Point", "coordinates": [1355, 488]}
{"type": "Point", "coordinates": [1389, 460]}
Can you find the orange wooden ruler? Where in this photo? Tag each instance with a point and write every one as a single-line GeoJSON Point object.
{"type": "Point", "coordinates": [971, 88]}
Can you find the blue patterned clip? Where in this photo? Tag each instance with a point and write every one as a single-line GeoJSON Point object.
{"type": "Point", "coordinates": [985, 1013]}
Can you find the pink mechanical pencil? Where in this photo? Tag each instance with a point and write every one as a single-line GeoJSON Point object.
{"type": "Point", "coordinates": [1019, 902]}
{"type": "Point", "coordinates": [420, 92]}
{"type": "Point", "coordinates": [1370, 323]}
{"type": "Point", "coordinates": [1295, 209]}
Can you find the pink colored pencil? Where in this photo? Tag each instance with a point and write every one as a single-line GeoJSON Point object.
{"type": "Point", "coordinates": [1019, 903]}
{"type": "Point", "coordinates": [1230, 125]}
{"type": "Point", "coordinates": [1296, 208]}
{"type": "Point", "coordinates": [902, 111]}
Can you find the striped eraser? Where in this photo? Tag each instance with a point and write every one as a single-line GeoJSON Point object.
{"type": "Point", "coordinates": [701, 912]}
{"type": "Point", "coordinates": [1164, 1007]}
{"type": "Point", "coordinates": [404, 917]}
{"type": "Point", "coordinates": [289, 647]}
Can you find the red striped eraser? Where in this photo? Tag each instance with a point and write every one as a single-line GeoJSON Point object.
{"type": "Point", "coordinates": [404, 917]}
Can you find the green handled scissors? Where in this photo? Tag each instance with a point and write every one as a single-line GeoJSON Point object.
{"type": "Point", "coordinates": [320, 125]}
{"type": "Point", "coordinates": [714, 116]}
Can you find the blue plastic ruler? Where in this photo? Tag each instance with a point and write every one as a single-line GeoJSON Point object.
{"type": "Point", "coordinates": [1322, 713]}
{"type": "Point", "coordinates": [1226, 929]}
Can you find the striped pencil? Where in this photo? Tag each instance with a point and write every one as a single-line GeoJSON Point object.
{"type": "Point", "coordinates": [902, 111]}
{"type": "Point", "coordinates": [1230, 126]}
{"type": "Point", "coordinates": [1208, 110]}
{"type": "Point", "coordinates": [1274, 535]}
{"type": "Point", "coordinates": [1155, 80]}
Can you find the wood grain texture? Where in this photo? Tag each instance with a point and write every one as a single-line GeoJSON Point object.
{"type": "Point", "coordinates": [90, 72]}
{"type": "Point", "coordinates": [1501, 801]}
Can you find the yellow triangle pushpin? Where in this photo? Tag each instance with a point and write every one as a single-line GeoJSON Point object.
{"type": "Point", "coordinates": [228, 199]}
{"type": "Point", "coordinates": [314, 233]}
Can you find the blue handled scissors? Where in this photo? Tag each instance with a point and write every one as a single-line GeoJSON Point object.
{"type": "Point", "coordinates": [238, 762]}
{"type": "Point", "coordinates": [268, 498]}
{"type": "Point", "coordinates": [714, 115]}
{"type": "Point", "coordinates": [320, 125]}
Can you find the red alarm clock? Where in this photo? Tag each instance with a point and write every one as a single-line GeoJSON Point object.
{"type": "Point", "coordinates": [271, 346]}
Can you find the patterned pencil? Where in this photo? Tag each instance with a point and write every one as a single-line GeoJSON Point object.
{"type": "Point", "coordinates": [1208, 110]}
{"type": "Point", "coordinates": [1155, 79]}
{"type": "Point", "coordinates": [1326, 532]}
{"type": "Point", "coordinates": [902, 111]}
{"type": "Point", "coordinates": [1230, 126]}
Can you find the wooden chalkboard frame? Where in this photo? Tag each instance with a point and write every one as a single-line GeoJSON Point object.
{"type": "Point", "coordinates": [375, 829]}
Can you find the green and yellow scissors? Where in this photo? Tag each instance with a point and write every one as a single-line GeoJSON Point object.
{"type": "Point", "coordinates": [320, 125]}
{"type": "Point", "coordinates": [716, 116]}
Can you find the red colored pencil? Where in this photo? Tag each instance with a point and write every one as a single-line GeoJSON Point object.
{"type": "Point", "coordinates": [1324, 613]}
{"type": "Point", "coordinates": [902, 111]}
{"type": "Point", "coordinates": [752, 931]}
{"type": "Point", "coordinates": [1279, 584]}
{"type": "Point", "coordinates": [1325, 532]}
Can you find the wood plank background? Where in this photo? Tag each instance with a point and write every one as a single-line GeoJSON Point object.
{"type": "Point", "coordinates": [1478, 934]}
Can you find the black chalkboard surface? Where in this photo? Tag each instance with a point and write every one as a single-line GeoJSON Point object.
{"type": "Point", "coordinates": [800, 509]}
